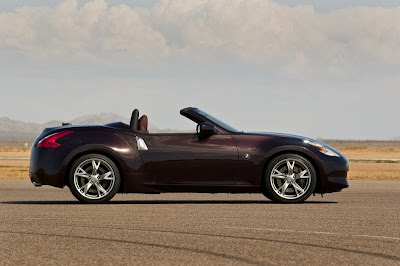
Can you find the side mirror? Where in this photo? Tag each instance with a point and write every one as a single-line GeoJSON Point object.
{"type": "Point", "coordinates": [207, 129]}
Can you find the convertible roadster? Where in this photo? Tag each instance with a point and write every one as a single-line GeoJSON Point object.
{"type": "Point", "coordinates": [96, 162]}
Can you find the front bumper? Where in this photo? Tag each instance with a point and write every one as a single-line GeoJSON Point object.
{"type": "Point", "coordinates": [335, 174]}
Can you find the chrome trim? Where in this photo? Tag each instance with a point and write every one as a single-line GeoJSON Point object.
{"type": "Point", "coordinates": [141, 144]}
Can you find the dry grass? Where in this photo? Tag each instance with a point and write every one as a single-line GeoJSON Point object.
{"type": "Point", "coordinates": [14, 169]}
{"type": "Point", "coordinates": [14, 149]}
{"type": "Point", "coordinates": [15, 153]}
{"type": "Point", "coordinates": [351, 149]}
{"type": "Point", "coordinates": [374, 171]}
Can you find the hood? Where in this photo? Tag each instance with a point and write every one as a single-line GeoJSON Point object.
{"type": "Point", "coordinates": [292, 137]}
{"type": "Point", "coordinates": [282, 135]}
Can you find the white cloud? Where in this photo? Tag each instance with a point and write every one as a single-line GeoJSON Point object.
{"type": "Point", "coordinates": [295, 40]}
{"type": "Point", "coordinates": [70, 31]}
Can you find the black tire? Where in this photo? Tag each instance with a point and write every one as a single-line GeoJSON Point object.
{"type": "Point", "coordinates": [94, 178]}
{"type": "Point", "coordinates": [289, 178]}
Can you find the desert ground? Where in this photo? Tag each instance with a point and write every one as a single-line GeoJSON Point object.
{"type": "Point", "coordinates": [47, 226]}
{"type": "Point", "coordinates": [14, 162]}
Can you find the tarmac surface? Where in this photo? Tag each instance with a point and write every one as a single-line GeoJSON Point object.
{"type": "Point", "coordinates": [358, 226]}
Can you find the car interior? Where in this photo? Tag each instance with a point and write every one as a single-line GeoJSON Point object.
{"type": "Point", "coordinates": [140, 125]}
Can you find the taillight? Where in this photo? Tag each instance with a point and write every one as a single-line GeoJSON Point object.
{"type": "Point", "coordinates": [51, 140]}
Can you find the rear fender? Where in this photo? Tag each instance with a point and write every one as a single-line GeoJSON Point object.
{"type": "Point", "coordinates": [120, 148]}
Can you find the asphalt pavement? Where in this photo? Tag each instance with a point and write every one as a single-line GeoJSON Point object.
{"type": "Point", "coordinates": [358, 226]}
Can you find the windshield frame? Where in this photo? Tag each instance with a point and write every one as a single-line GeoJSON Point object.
{"type": "Point", "coordinates": [216, 121]}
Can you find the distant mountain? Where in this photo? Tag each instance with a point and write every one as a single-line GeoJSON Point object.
{"type": "Point", "coordinates": [99, 119]}
{"type": "Point", "coordinates": [13, 130]}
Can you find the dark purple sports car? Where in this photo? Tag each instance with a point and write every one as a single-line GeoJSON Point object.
{"type": "Point", "coordinates": [96, 162]}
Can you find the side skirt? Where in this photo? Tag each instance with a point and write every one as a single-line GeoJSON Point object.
{"type": "Point", "coordinates": [194, 188]}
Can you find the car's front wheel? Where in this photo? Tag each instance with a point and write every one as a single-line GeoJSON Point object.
{"type": "Point", "coordinates": [94, 178]}
{"type": "Point", "coordinates": [289, 178]}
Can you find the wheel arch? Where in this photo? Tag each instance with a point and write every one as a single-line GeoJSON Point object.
{"type": "Point", "coordinates": [312, 160]}
{"type": "Point", "coordinates": [94, 151]}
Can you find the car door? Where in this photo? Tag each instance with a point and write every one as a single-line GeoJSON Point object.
{"type": "Point", "coordinates": [186, 159]}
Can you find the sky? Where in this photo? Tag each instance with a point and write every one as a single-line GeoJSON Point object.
{"type": "Point", "coordinates": [322, 69]}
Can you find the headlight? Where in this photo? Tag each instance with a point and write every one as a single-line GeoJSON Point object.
{"type": "Point", "coordinates": [325, 150]}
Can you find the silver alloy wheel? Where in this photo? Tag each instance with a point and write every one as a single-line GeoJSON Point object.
{"type": "Point", "coordinates": [94, 178]}
{"type": "Point", "coordinates": [290, 178]}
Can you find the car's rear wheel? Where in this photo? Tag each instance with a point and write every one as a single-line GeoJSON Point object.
{"type": "Point", "coordinates": [94, 178]}
{"type": "Point", "coordinates": [289, 178]}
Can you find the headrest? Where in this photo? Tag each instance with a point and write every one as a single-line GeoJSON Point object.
{"type": "Point", "coordinates": [143, 122]}
{"type": "Point", "coordinates": [134, 120]}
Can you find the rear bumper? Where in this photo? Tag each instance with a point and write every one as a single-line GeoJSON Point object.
{"type": "Point", "coordinates": [46, 168]}
{"type": "Point", "coordinates": [37, 184]}
{"type": "Point", "coordinates": [40, 178]}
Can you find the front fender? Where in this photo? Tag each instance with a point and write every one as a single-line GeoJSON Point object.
{"type": "Point", "coordinates": [301, 150]}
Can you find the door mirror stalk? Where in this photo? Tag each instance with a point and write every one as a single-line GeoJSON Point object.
{"type": "Point", "coordinates": [206, 129]}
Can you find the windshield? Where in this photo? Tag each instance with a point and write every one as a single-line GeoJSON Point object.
{"type": "Point", "coordinates": [216, 121]}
